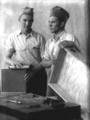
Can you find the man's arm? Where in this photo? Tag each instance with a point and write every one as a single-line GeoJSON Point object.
{"type": "Point", "coordinates": [71, 43]}
{"type": "Point", "coordinates": [8, 56]}
{"type": "Point", "coordinates": [42, 43]}
{"type": "Point", "coordinates": [9, 50]}
{"type": "Point", "coordinates": [9, 61]}
{"type": "Point", "coordinates": [46, 62]}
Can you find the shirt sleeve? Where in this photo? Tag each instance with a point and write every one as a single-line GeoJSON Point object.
{"type": "Point", "coordinates": [42, 42]}
{"type": "Point", "coordinates": [46, 51]}
{"type": "Point", "coordinates": [70, 41]}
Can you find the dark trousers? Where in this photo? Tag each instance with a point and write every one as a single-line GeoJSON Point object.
{"type": "Point", "coordinates": [37, 82]}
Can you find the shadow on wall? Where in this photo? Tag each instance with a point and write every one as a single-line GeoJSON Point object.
{"type": "Point", "coordinates": [77, 24]}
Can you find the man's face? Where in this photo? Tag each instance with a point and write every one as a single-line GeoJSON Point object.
{"type": "Point", "coordinates": [54, 24]}
{"type": "Point", "coordinates": [26, 23]}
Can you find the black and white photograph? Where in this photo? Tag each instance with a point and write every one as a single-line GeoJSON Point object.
{"type": "Point", "coordinates": [44, 60]}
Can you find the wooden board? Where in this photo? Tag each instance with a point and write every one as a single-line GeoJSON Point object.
{"type": "Point", "coordinates": [34, 107]}
{"type": "Point", "coordinates": [71, 75]}
{"type": "Point", "coordinates": [12, 80]}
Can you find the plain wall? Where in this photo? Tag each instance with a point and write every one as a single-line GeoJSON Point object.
{"type": "Point", "coordinates": [77, 23]}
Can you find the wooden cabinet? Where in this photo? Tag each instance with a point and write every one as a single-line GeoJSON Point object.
{"type": "Point", "coordinates": [12, 80]}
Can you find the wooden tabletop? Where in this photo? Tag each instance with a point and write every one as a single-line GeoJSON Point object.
{"type": "Point", "coordinates": [30, 106]}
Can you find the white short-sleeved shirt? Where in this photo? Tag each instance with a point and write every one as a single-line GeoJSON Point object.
{"type": "Point", "coordinates": [23, 45]}
{"type": "Point", "coordinates": [53, 46]}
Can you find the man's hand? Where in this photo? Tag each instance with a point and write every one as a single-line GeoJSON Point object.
{"type": "Point", "coordinates": [66, 44]}
{"type": "Point", "coordinates": [13, 64]}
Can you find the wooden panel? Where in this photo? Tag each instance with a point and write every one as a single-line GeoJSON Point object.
{"type": "Point", "coordinates": [71, 75]}
{"type": "Point", "coordinates": [13, 80]}
{"type": "Point", "coordinates": [36, 107]}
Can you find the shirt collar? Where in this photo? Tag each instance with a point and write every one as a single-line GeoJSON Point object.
{"type": "Point", "coordinates": [30, 34]}
{"type": "Point", "coordinates": [56, 37]}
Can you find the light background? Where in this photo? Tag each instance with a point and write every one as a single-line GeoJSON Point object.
{"type": "Point", "coordinates": [77, 24]}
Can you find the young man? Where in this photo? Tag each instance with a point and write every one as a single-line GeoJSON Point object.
{"type": "Point", "coordinates": [25, 48]}
{"type": "Point", "coordinates": [60, 38]}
